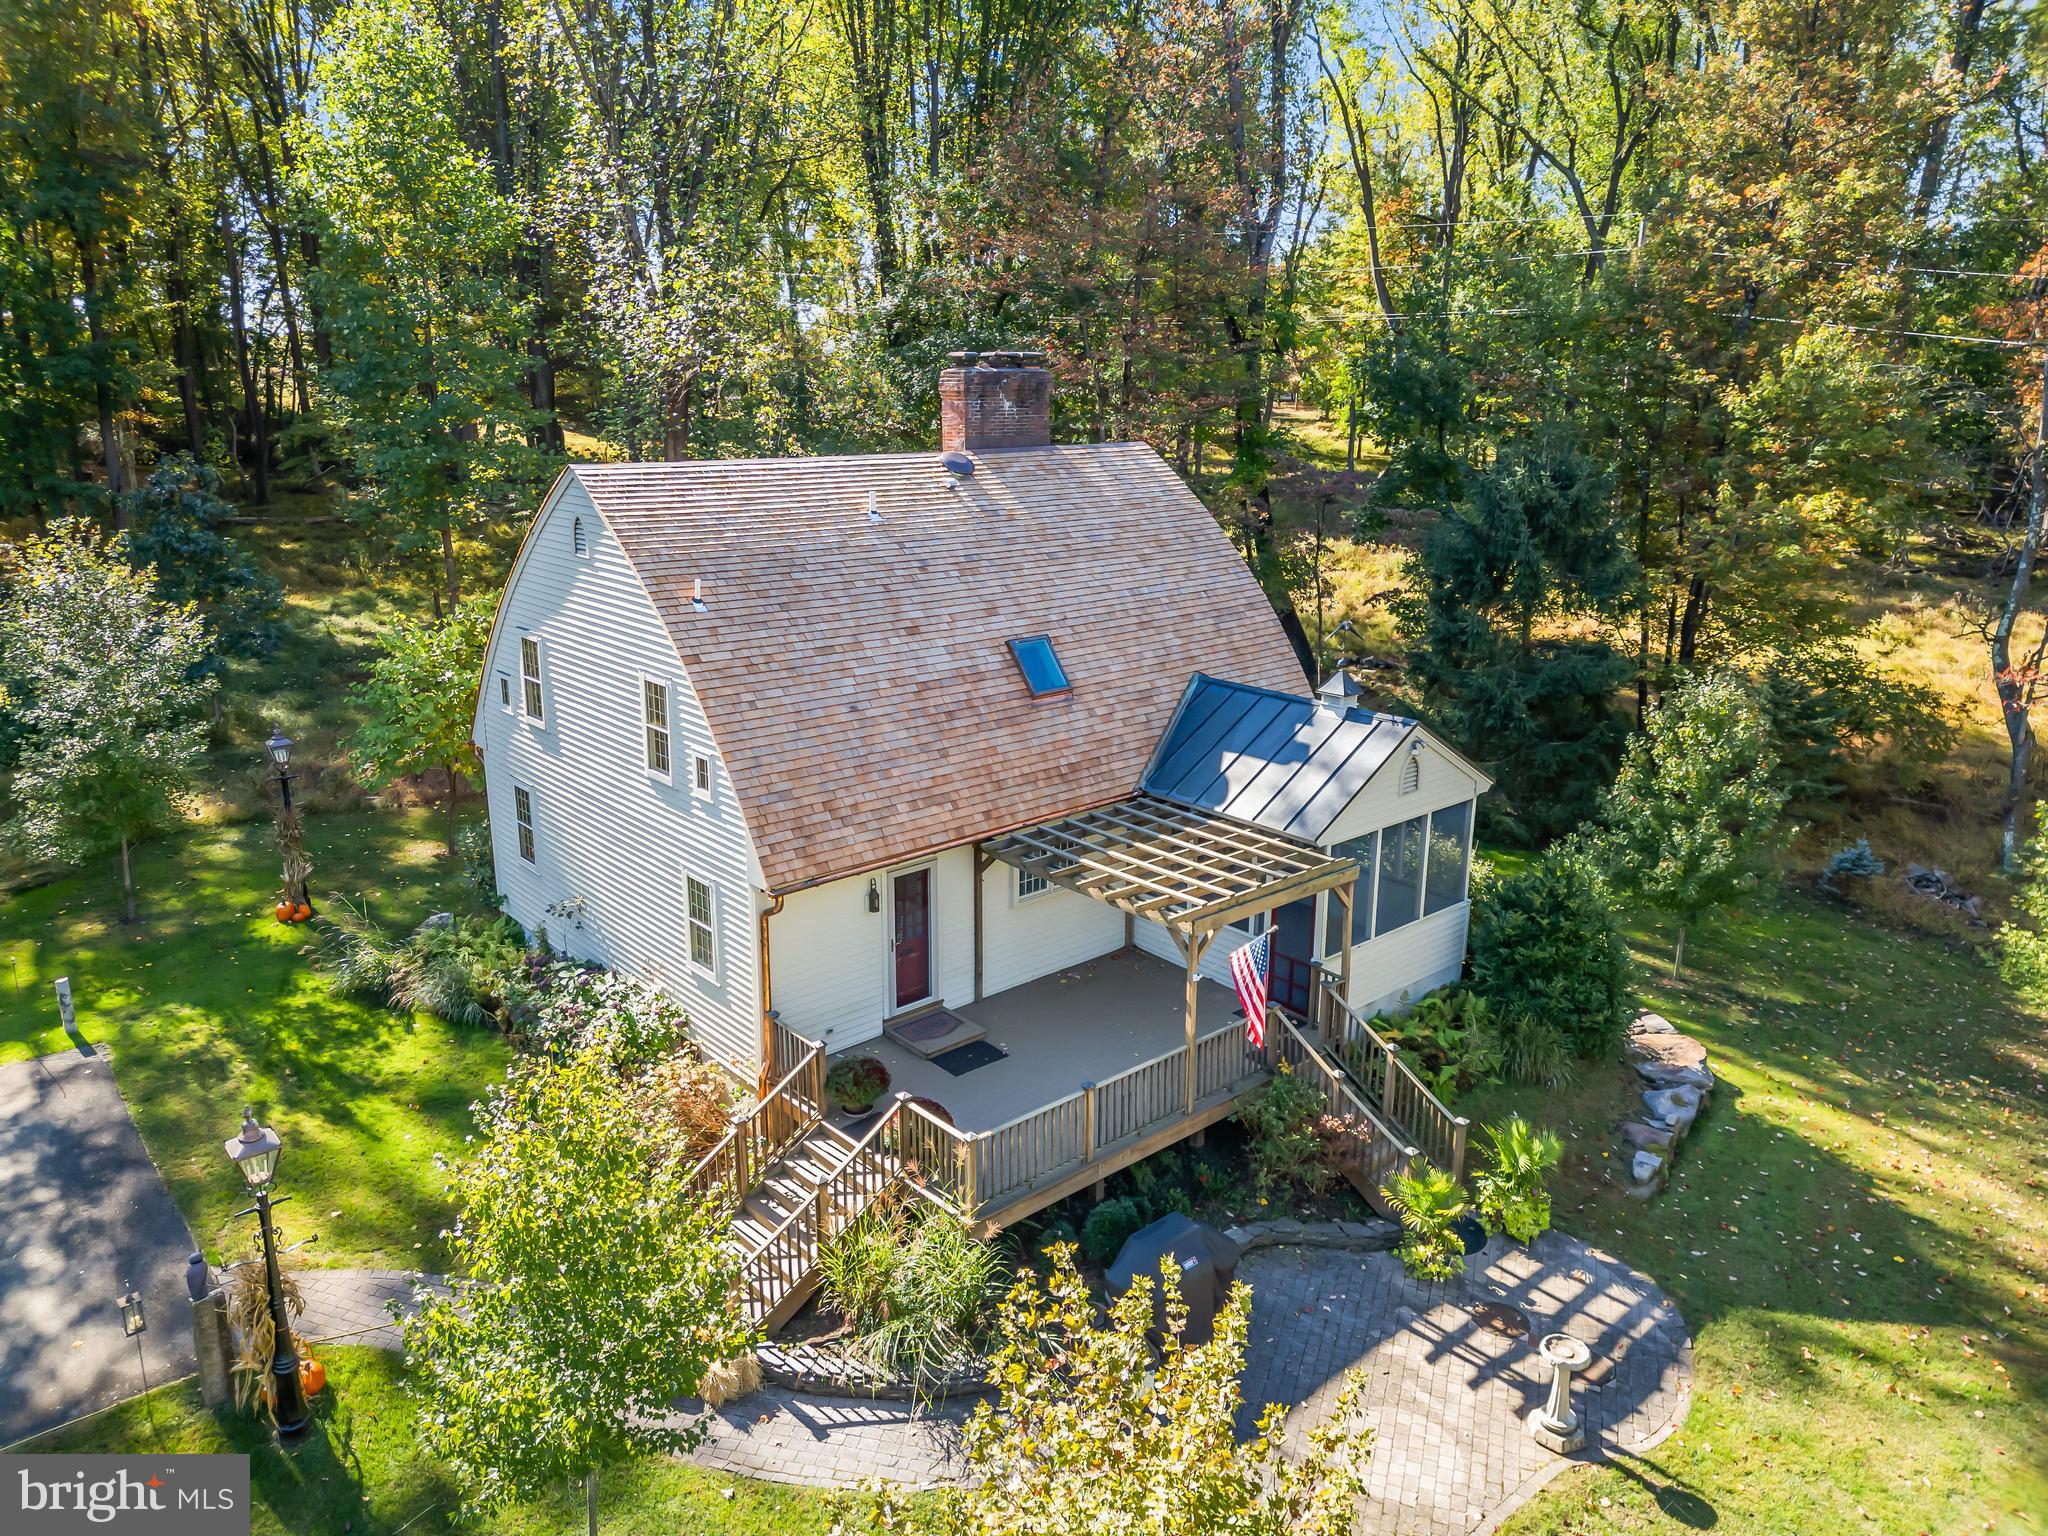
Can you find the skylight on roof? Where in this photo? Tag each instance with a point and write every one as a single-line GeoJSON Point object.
{"type": "Point", "coordinates": [1042, 671]}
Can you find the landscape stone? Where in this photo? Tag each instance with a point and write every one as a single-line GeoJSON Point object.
{"type": "Point", "coordinates": [1670, 1060]}
{"type": "Point", "coordinates": [1652, 1024]}
{"type": "Point", "coordinates": [1645, 1165]}
{"type": "Point", "coordinates": [1673, 1108]}
{"type": "Point", "coordinates": [1639, 1135]}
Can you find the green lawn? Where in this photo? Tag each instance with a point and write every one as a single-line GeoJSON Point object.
{"type": "Point", "coordinates": [207, 1003]}
{"type": "Point", "coordinates": [360, 1473]}
{"type": "Point", "coordinates": [1857, 1233]}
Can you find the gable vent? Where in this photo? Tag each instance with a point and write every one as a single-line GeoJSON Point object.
{"type": "Point", "coordinates": [1411, 775]}
{"type": "Point", "coordinates": [577, 539]}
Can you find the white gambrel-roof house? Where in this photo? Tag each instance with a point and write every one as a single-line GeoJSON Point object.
{"type": "Point", "coordinates": [908, 753]}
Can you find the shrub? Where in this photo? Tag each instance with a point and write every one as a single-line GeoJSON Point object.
{"type": "Point", "coordinates": [1855, 862]}
{"type": "Point", "coordinates": [479, 864]}
{"type": "Point", "coordinates": [458, 971]}
{"type": "Point", "coordinates": [913, 1285]}
{"type": "Point", "coordinates": [1534, 1052]}
{"type": "Point", "coordinates": [1288, 1135]}
{"type": "Point", "coordinates": [1544, 947]}
{"type": "Point", "coordinates": [1429, 1202]}
{"type": "Point", "coordinates": [357, 955]}
{"type": "Point", "coordinates": [856, 1083]}
{"type": "Point", "coordinates": [1449, 1040]}
{"type": "Point", "coordinates": [1510, 1191]}
{"type": "Point", "coordinates": [1109, 1226]}
{"type": "Point", "coordinates": [688, 1103]}
{"type": "Point", "coordinates": [562, 1007]}
{"type": "Point", "coordinates": [1841, 721]}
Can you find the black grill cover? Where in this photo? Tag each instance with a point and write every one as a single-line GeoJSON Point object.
{"type": "Point", "coordinates": [1207, 1260]}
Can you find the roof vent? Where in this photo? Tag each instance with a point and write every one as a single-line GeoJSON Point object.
{"type": "Point", "coordinates": [958, 466]}
{"type": "Point", "coordinates": [697, 604]}
{"type": "Point", "coordinates": [874, 512]}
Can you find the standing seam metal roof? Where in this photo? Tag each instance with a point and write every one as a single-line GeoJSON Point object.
{"type": "Point", "coordinates": [1271, 759]}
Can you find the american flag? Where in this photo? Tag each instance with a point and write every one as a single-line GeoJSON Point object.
{"type": "Point", "coordinates": [1250, 965]}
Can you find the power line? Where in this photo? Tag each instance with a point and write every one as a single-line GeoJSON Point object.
{"type": "Point", "coordinates": [2007, 342]}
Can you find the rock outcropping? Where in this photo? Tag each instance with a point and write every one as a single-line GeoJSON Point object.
{"type": "Point", "coordinates": [1676, 1083]}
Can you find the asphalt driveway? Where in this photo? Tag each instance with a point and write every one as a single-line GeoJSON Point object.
{"type": "Point", "coordinates": [84, 1218]}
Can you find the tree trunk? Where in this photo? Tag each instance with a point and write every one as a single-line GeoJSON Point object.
{"type": "Point", "coordinates": [448, 802]}
{"type": "Point", "coordinates": [590, 1499]}
{"type": "Point", "coordinates": [1678, 953]}
{"type": "Point", "coordinates": [448, 566]}
{"type": "Point", "coordinates": [127, 886]}
{"type": "Point", "coordinates": [252, 404]}
{"type": "Point", "coordinates": [2015, 690]}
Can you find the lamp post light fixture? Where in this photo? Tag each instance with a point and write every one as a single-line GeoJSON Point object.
{"type": "Point", "coordinates": [133, 1323]}
{"type": "Point", "coordinates": [255, 1150]}
{"type": "Point", "coordinates": [291, 832]}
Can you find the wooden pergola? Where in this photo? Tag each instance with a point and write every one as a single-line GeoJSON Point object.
{"type": "Point", "coordinates": [1191, 872]}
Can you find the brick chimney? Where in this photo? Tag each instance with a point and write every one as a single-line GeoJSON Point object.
{"type": "Point", "coordinates": [994, 400]}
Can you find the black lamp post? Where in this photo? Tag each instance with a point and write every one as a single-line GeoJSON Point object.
{"type": "Point", "coordinates": [255, 1152]}
{"type": "Point", "coordinates": [291, 832]}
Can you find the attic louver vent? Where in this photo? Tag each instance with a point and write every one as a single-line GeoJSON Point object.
{"type": "Point", "coordinates": [1411, 775]}
{"type": "Point", "coordinates": [577, 540]}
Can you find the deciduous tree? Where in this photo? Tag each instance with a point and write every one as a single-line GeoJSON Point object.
{"type": "Point", "coordinates": [418, 704]}
{"type": "Point", "coordinates": [111, 687]}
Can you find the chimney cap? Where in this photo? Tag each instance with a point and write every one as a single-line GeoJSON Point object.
{"type": "Point", "coordinates": [1003, 359]}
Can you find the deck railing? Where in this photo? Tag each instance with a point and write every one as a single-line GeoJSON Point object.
{"type": "Point", "coordinates": [781, 1117]}
{"type": "Point", "coordinates": [987, 1170]}
{"type": "Point", "coordinates": [1376, 1149]}
{"type": "Point", "coordinates": [1375, 1063]}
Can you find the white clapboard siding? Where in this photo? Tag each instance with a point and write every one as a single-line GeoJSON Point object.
{"type": "Point", "coordinates": [1025, 939]}
{"type": "Point", "coordinates": [607, 832]}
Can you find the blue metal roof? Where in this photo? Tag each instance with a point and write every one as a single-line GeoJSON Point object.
{"type": "Point", "coordinates": [1271, 759]}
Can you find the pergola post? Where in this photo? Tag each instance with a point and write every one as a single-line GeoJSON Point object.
{"type": "Point", "coordinates": [1192, 947]}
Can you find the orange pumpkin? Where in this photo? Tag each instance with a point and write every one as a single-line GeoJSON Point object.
{"type": "Point", "coordinates": [284, 911]}
{"type": "Point", "coordinates": [301, 912]}
{"type": "Point", "coordinates": [312, 1376]}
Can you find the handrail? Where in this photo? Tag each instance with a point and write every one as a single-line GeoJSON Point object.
{"type": "Point", "coordinates": [1346, 1101]}
{"type": "Point", "coordinates": [1385, 1077]}
{"type": "Point", "coordinates": [728, 1164]}
{"type": "Point", "coordinates": [748, 1254]}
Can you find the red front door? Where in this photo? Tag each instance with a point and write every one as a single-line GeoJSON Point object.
{"type": "Point", "coordinates": [912, 937]}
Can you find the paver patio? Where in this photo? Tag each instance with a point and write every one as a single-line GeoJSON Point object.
{"type": "Point", "coordinates": [1446, 1395]}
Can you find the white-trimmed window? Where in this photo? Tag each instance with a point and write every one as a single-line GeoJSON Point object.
{"type": "Point", "coordinates": [1030, 885]}
{"type": "Point", "coordinates": [654, 710]}
{"type": "Point", "coordinates": [700, 773]}
{"type": "Point", "coordinates": [522, 813]}
{"type": "Point", "coordinates": [505, 692]}
{"type": "Point", "coordinates": [529, 679]}
{"type": "Point", "coordinates": [700, 913]}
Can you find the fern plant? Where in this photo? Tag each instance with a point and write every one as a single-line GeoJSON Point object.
{"type": "Point", "coordinates": [1429, 1202]}
{"type": "Point", "coordinates": [1512, 1197]}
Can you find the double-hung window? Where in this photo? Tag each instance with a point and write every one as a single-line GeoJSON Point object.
{"type": "Point", "coordinates": [701, 912]}
{"type": "Point", "coordinates": [522, 813]}
{"type": "Point", "coordinates": [529, 678]}
{"type": "Point", "coordinates": [654, 706]}
{"type": "Point", "coordinates": [1030, 885]}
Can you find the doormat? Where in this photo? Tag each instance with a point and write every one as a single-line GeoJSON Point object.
{"type": "Point", "coordinates": [931, 1033]}
{"type": "Point", "coordinates": [963, 1059]}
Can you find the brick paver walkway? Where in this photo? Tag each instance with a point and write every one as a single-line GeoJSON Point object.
{"type": "Point", "coordinates": [1446, 1396]}
{"type": "Point", "coordinates": [352, 1306]}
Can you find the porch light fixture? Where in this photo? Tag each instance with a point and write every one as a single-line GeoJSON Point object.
{"type": "Point", "coordinates": [874, 897]}
{"type": "Point", "coordinates": [254, 1151]}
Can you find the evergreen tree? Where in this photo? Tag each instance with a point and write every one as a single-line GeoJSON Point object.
{"type": "Point", "coordinates": [177, 521]}
{"type": "Point", "coordinates": [1537, 542]}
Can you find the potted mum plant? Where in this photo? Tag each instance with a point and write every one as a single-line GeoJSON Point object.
{"type": "Point", "coordinates": [856, 1083]}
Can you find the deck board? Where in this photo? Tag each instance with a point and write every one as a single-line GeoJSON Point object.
{"type": "Point", "coordinates": [1083, 1024]}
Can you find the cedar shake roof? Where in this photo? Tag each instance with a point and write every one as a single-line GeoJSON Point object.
{"type": "Point", "coordinates": [857, 675]}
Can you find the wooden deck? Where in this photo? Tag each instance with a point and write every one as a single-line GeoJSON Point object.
{"type": "Point", "coordinates": [1087, 1024]}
